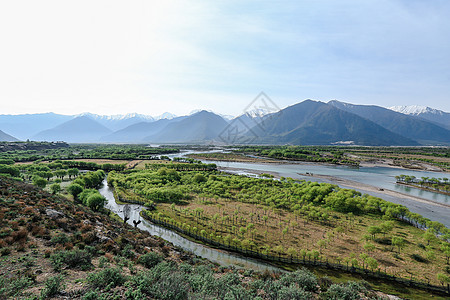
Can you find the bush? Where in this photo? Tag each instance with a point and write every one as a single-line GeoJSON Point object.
{"type": "Point", "coordinates": [60, 238]}
{"type": "Point", "coordinates": [5, 251]}
{"type": "Point", "coordinates": [53, 286]}
{"type": "Point", "coordinates": [127, 252]}
{"type": "Point", "coordinates": [349, 291]}
{"type": "Point", "coordinates": [39, 181]}
{"type": "Point", "coordinates": [55, 188]}
{"type": "Point", "coordinates": [93, 295]}
{"type": "Point", "coordinates": [74, 189]}
{"type": "Point", "coordinates": [151, 259]}
{"type": "Point", "coordinates": [303, 277]}
{"type": "Point", "coordinates": [95, 201]}
{"type": "Point", "coordinates": [108, 277]}
{"type": "Point", "coordinates": [72, 259]}
{"type": "Point", "coordinates": [11, 287]}
{"type": "Point", "coordinates": [293, 292]}
{"type": "Point", "coordinates": [162, 282]}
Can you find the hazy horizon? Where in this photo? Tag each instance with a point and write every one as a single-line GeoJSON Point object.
{"type": "Point", "coordinates": [113, 57]}
{"type": "Point", "coordinates": [176, 115]}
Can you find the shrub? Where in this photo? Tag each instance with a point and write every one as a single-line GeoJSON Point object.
{"type": "Point", "coordinates": [53, 286]}
{"type": "Point", "coordinates": [39, 181]}
{"type": "Point", "coordinates": [349, 291]}
{"type": "Point", "coordinates": [151, 259]}
{"type": "Point", "coordinates": [95, 201]}
{"type": "Point", "coordinates": [108, 277]}
{"type": "Point", "coordinates": [128, 252]}
{"type": "Point", "coordinates": [74, 189]}
{"type": "Point", "coordinates": [94, 295]}
{"type": "Point", "coordinates": [72, 258]}
{"type": "Point", "coordinates": [60, 238]}
{"type": "Point", "coordinates": [303, 277]}
{"type": "Point", "coordinates": [293, 292]}
{"type": "Point", "coordinates": [12, 287]}
{"type": "Point", "coordinates": [55, 188]}
{"type": "Point", "coordinates": [5, 251]}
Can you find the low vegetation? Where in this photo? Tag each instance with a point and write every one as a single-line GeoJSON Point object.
{"type": "Point", "coordinates": [288, 218]}
{"type": "Point", "coordinates": [60, 249]}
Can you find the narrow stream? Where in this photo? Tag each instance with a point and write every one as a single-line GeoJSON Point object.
{"type": "Point", "coordinates": [221, 257]}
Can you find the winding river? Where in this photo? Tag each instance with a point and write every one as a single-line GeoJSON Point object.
{"type": "Point", "coordinates": [435, 206]}
{"type": "Point", "coordinates": [218, 256]}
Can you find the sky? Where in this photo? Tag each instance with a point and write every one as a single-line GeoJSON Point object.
{"type": "Point", "coordinates": [117, 57]}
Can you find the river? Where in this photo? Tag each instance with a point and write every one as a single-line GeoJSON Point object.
{"type": "Point", "coordinates": [218, 256]}
{"type": "Point", "coordinates": [425, 203]}
{"type": "Point", "coordinates": [380, 177]}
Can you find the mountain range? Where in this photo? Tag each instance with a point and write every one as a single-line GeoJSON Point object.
{"type": "Point", "coordinates": [436, 116]}
{"type": "Point", "coordinates": [408, 126]}
{"type": "Point", "coordinates": [305, 123]}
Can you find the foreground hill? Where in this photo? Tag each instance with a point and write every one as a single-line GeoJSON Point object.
{"type": "Point", "coordinates": [79, 130]}
{"type": "Point", "coordinates": [408, 126]}
{"type": "Point", "coordinates": [4, 137]}
{"type": "Point", "coordinates": [317, 123]}
{"type": "Point", "coordinates": [54, 248]}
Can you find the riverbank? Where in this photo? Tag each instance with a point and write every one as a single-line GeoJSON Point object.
{"type": "Point", "coordinates": [371, 188]}
{"type": "Point", "coordinates": [342, 182]}
{"type": "Point", "coordinates": [425, 188]}
{"type": "Point", "coordinates": [370, 162]}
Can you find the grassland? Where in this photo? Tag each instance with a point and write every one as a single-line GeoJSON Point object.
{"type": "Point", "coordinates": [292, 219]}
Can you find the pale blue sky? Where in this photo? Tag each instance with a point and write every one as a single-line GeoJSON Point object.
{"type": "Point", "coordinates": [112, 57]}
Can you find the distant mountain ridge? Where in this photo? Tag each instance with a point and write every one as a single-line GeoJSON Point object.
{"type": "Point", "coordinates": [307, 123]}
{"type": "Point", "coordinates": [137, 133]}
{"type": "Point", "coordinates": [318, 123]}
{"type": "Point", "coordinates": [197, 128]}
{"type": "Point", "coordinates": [424, 112]}
{"type": "Point", "coordinates": [4, 137]}
{"type": "Point", "coordinates": [26, 126]}
{"type": "Point", "coordinates": [78, 130]}
{"type": "Point", "coordinates": [418, 129]}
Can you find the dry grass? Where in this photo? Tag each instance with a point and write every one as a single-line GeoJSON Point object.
{"type": "Point", "coordinates": [304, 234]}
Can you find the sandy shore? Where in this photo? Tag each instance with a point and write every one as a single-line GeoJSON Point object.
{"type": "Point", "coordinates": [371, 188]}
{"type": "Point", "coordinates": [388, 163]}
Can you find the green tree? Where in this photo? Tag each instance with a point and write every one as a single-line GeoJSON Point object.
{"type": "Point", "coordinates": [74, 189]}
{"type": "Point", "coordinates": [429, 236]}
{"type": "Point", "coordinates": [55, 188]}
{"type": "Point", "coordinates": [398, 242]}
{"type": "Point", "coordinates": [39, 181]}
{"type": "Point", "coordinates": [73, 172]}
{"type": "Point", "coordinates": [443, 278]}
{"type": "Point", "coordinates": [372, 263]}
{"type": "Point", "coordinates": [374, 230]}
{"type": "Point", "coordinates": [386, 227]}
{"type": "Point", "coordinates": [95, 201]}
{"type": "Point", "coordinates": [369, 247]}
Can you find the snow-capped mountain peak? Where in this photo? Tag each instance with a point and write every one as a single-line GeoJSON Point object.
{"type": "Point", "coordinates": [415, 110]}
{"type": "Point", "coordinates": [117, 117]}
{"type": "Point", "coordinates": [166, 115]}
